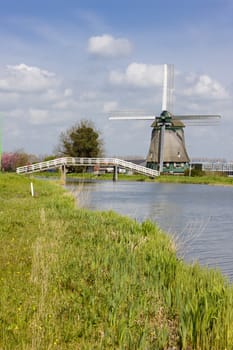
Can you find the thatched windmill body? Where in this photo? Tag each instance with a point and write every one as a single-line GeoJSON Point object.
{"type": "Point", "coordinates": [167, 151]}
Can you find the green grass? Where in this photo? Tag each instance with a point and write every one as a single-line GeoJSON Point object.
{"type": "Point", "coordinates": [205, 179]}
{"type": "Point", "coordinates": [92, 176]}
{"type": "Point", "coordinates": [75, 279]}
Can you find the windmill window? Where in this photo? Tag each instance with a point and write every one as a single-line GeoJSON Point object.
{"type": "Point", "coordinates": [179, 165]}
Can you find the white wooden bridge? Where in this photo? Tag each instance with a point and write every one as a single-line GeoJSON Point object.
{"type": "Point", "coordinates": [65, 162]}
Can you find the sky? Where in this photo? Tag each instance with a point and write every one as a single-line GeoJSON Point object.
{"type": "Point", "coordinates": [63, 61]}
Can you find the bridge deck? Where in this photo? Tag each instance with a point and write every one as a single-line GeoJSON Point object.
{"type": "Point", "coordinates": [71, 161]}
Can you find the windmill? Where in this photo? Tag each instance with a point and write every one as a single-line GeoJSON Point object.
{"type": "Point", "coordinates": [167, 151]}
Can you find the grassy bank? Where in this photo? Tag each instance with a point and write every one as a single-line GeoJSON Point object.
{"type": "Point", "coordinates": [75, 279]}
{"type": "Point", "coordinates": [92, 176]}
{"type": "Point", "coordinates": [205, 179]}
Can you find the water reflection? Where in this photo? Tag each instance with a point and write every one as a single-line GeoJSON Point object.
{"type": "Point", "coordinates": [199, 217]}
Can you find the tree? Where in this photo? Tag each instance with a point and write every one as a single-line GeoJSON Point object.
{"type": "Point", "coordinates": [81, 140]}
{"type": "Point", "coordinates": [12, 160]}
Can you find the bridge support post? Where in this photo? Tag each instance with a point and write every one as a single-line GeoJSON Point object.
{"type": "Point", "coordinates": [115, 173]}
{"type": "Point", "coordinates": [63, 174]}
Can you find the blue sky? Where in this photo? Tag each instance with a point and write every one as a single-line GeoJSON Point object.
{"type": "Point", "coordinates": [63, 61]}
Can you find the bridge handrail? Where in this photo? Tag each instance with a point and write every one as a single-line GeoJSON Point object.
{"type": "Point", "coordinates": [74, 161]}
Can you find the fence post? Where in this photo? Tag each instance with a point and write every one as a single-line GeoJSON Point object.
{"type": "Point", "coordinates": [115, 173]}
{"type": "Point", "coordinates": [63, 174]}
{"type": "Point", "coordinates": [32, 189]}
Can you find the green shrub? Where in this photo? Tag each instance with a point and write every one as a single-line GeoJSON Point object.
{"type": "Point", "coordinates": [194, 172]}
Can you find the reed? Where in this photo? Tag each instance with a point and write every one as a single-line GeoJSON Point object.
{"type": "Point", "coordinates": [76, 279]}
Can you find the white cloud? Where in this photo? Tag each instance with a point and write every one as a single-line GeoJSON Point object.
{"type": "Point", "coordinates": [138, 74]}
{"type": "Point", "coordinates": [68, 92]}
{"type": "Point", "coordinates": [66, 105]}
{"type": "Point", "coordinates": [204, 86]}
{"type": "Point", "coordinates": [51, 95]}
{"type": "Point", "coordinates": [88, 96]}
{"type": "Point", "coordinates": [108, 46]}
{"type": "Point", "coordinates": [38, 116]}
{"type": "Point", "coordinates": [34, 96]}
{"type": "Point", "coordinates": [110, 106]}
{"type": "Point", "coordinates": [22, 78]}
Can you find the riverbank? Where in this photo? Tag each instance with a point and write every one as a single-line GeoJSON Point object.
{"type": "Point", "coordinates": [200, 180]}
{"type": "Point", "coordinates": [71, 278]}
{"type": "Point", "coordinates": [205, 179]}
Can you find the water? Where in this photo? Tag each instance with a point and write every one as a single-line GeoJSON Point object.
{"type": "Point", "coordinates": [199, 217]}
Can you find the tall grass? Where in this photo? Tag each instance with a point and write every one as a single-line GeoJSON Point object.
{"type": "Point", "coordinates": [210, 179]}
{"type": "Point", "coordinates": [75, 279]}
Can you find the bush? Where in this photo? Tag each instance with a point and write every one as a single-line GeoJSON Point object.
{"type": "Point", "coordinates": [194, 172]}
{"type": "Point", "coordinates": [12, 160]}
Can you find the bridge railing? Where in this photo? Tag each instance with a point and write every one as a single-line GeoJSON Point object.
{"type": "Point", "coordinates": [73, 161]}
{"type": "Point", "coordinates": [42, 166]}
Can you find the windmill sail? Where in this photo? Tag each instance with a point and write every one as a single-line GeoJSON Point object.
{"type": "Point", "coordinates": [168, 88]}
{"type": "Point", "coordinates": [197, 116]}
{"type": "Point", "coordinates": [130, 115]}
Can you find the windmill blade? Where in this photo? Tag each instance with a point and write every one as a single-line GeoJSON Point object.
{"type": "Point", "coordinates": [208, 117]}
{"type": "Point", "coordinates": [130, 115]}
{"type": "Point", "coordinates": [201, 124]}
{"type": "Point", "coordinates": [132, 118]}
{"type": "Point", "coordinates": [168, 87]}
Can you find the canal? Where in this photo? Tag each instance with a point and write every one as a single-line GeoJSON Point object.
{"type": "Point", "coordinates": [199, 217]}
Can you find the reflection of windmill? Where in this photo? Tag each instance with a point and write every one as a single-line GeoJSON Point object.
{"type": "Point", "coordinates": [167, 151]}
